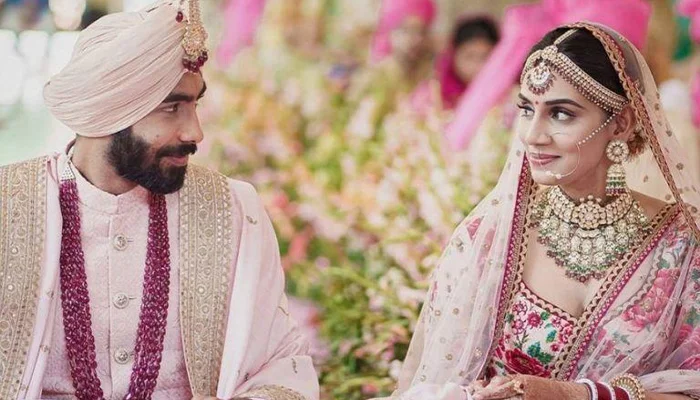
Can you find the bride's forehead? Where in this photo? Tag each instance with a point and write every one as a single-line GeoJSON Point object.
{"type": "Point", "coordinates": [560, 89]}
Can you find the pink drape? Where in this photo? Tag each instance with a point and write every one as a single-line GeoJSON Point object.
{"type": "Point", "coordinates": [241, 20]}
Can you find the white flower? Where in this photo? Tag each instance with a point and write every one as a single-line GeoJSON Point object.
{"type": "Point", "coordinates": [292, 92]}
{"type": "Point", "coordinates": [387, 194]}
{"type": "Point", "coordinates": [395, 369]}
{"type": "Point", "coordinates": [430, 209]}
{"type": "Point", "coordinates": [362, 125]}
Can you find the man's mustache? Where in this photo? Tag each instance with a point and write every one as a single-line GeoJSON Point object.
{"type": "Point", "coordinates": [177, 151]}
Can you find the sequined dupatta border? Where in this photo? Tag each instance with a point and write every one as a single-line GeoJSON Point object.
{"type": "Point", "coordinates": [206, 243]}
{"type": "Point", "coordinates": [22, 236]}
{"type": "Point", "coordinates": [525, 194]}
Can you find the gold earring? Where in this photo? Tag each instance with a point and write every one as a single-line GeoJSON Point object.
{"type": "Point", "coordinates": [617, 151]}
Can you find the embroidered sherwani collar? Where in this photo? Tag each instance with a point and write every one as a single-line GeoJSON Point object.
{"type": "Point", "coordinates": [107, 203]}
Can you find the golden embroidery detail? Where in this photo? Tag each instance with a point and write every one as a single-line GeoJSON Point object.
{"type": "Point", "coordinates": [22, 230]}
{"type": "Point", "coordinates": [273, 392]}
{"type": "Point", "coordinates": [205, 267]}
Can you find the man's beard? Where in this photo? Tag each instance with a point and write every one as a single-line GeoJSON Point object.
{"type": "Point", "coordinates": [131, 157]}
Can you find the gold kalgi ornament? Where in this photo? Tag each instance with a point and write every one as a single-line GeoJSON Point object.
{"type": "Point", "coordinates": [195, 41]}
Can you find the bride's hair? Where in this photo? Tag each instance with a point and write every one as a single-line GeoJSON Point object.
{"type": "Point", "coordinates": [586, 51]}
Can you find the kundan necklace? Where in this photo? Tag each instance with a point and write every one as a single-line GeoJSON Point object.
{"type": "Point", "coordinates": [80, 342]}
{"type": "Point", "coordinates": [587, 238]}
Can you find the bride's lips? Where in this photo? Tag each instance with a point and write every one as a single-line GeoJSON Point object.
{"type": "Point", "coordinates": [541, 159]}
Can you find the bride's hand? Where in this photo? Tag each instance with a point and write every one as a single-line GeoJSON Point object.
{"type": "Point", "coordinates": [499, 388]}
{"type": "Point", "coordinates": [516, 386]}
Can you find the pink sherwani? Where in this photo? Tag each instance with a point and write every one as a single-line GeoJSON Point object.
{"type": "Point", "coordinates": [261, 353]}
{"type": "Point", "coordinates": [114, 234]}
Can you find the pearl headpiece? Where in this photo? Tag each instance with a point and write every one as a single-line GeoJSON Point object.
{"type": "Point", "coordinates": [539, 70]}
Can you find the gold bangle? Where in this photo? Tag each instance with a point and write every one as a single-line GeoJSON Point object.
{"type": "Point", "coordinates": [630, 384]}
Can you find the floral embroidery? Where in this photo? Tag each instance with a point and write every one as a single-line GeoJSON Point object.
{"type": "Point", "coordinates": [649, 309]}
{"type": "Point", "coordinates": [693, 363]}
{"type": "Point", "coordinates": [689, 337]}
{"type": "Point", "coordinates": [532, 338]}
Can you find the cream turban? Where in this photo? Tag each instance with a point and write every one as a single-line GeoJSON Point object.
{"type": "Point", "coordinates": [123, 66]}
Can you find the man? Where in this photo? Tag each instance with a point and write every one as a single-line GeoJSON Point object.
{"type": "Point", "coordinates": [124, 272]}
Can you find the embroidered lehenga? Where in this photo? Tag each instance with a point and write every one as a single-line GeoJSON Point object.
{"type": "Point", "coordinates": [480, 319]}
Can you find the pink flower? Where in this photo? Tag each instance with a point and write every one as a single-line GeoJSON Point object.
{"type": "Point", "coordinates": [534, 320]}
{"type": "Point", "coordinates": [648, 310]}
{"type": "Point", "coordinates": [685, 332]}
{"type": "Point", "coordinates": [297, 248]}
{"type": "Point", "coordinates": [518, 326]}
{"type": "Point", "coordinates": [693, 363]}
{"type": "Point", "coordinates": [555, 347]}
{"type": "Point", "coordinates": [609, 345]}
{"type": "Point", "coordinates": [689, 338]}
{"type": "Point", "coordinates": [519, 308]}
{"type": "Point", "coordinates": [517, 362]}
{"type": "Point", "coordinates": [369, 389]}
{"type": "Point", "coordinates": [609, 348]}
{"type": "Point", "coordinates": [280, 201]}
{"type": "Point", "coordinates": [666, 279]}
{"type": "Point", "coordinates": [566, 331]}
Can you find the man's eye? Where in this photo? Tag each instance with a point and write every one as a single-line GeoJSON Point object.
{"type": "Point", "coordinates": [172, 109]}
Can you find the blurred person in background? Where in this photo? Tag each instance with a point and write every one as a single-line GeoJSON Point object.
{"type": "Point", "coordinates": [20, 15]}
{"type": "Point", "coordinates": [472, 41]}
{"type": "Point", "coordinates": [401, 58]}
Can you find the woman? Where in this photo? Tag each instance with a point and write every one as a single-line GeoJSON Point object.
{"type": "Point", "coordinates": [473, 39]}
{"type": "Point", "coordinates": [563, 279]}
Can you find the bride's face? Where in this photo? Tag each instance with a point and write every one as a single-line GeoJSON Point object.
{"type": "Point", "coordinates": [551, 124]}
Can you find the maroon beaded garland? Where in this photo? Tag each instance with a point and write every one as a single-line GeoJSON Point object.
{"type": "Point", "coordinates": [80, 341]}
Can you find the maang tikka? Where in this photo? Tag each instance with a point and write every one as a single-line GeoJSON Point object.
{"type": "Point", "coordinates": [538, 75]}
